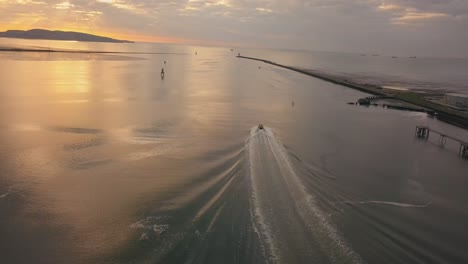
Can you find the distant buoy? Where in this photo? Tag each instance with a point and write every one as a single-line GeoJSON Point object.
{"type": "Point", "coordinates": [164, 62]}
{"type": "Point", "coordinates": [162, 73]}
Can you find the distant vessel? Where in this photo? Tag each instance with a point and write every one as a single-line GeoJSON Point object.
{"type": "Point", "coordinates": [260, 126]}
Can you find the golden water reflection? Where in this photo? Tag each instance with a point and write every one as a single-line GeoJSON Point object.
{"type": "Point", "coordinates": [69, 78]}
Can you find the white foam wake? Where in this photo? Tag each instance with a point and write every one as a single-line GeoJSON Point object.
{"type": "Point", "coordinates": [11, 190]}
{"type": "Point", "coordinates": [405, 205]}
{"type": "Point", "coordinates": [316, 222]}
{"type": "Point", "coordinates": [263, 230]}
{"type": "Point", "coordinates": [150, 227]}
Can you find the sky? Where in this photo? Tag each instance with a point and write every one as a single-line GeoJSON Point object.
{"type": "Point", "coordinates": [393, 27]}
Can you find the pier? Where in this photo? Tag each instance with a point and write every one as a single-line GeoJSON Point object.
{"type": "Point", "coordinates": [424, 132]}
{"type": "Point", "coordinates": [368, 100]}
{"type": "Point", "coordinates": [380, 97]}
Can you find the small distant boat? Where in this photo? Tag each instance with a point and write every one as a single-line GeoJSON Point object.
{"type": "Point", "coordinates": [260, 126]}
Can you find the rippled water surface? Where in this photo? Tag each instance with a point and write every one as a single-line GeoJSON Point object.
{"type": "Point", "coordinates": [103, 161]}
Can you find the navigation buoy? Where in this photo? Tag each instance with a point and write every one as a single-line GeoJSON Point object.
{"type": "Point", "coordinates": [162, 73]}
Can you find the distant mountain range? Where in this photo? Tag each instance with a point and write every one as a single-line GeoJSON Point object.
{"type": "Point", "coordinates": [58, 35]}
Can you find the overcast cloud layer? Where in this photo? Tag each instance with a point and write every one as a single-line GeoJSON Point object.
{"type": "Point", "coordinates": [397, 27]}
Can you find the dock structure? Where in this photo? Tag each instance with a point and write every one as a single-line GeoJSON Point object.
{"type": "Point", "coordinates": [424, 132]}
{"type": "Point", "coordinates": [368, 100]}
{"type": "Point", "coordinates": [379, 97]}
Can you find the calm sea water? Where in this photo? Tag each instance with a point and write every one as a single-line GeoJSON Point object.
{"type": "Point", "coordinates": [103, 161]}
{"type": "Point", "coordinates": [422, 74]}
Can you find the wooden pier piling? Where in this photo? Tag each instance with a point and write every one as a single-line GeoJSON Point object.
{"type": "Point", "coordinates": [464, 151]}
{"type": "Point", "coordinates": [442, 141]}
{"type": "Point", "coordinates": [422, 132]}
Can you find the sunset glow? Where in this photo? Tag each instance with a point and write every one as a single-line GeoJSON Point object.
{"type": "Point", "coordinates": [283, 24]}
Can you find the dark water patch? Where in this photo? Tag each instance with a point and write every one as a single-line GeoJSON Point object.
{"type": "Point", "coordinates": [94, 142]}
{"type": "Point", "coordinates": [75, 130]}
{"type": "Point", "coordinates": [81, 164]}
{"type": "Point", "coordinates": [402, 240]}
{"type": "Point", "coordinates": [155, 131]}
{"type": "Point", "coordinates": [23, 226]}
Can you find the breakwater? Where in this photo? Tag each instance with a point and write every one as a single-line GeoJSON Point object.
{"type": "Point", "coordinates": [371, 90]}
{"type": "Point", "coordinates": [442, 112]}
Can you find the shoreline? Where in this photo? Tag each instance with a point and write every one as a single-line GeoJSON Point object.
{"type": "Point", "coordinates": [5, 49]}
{"type": "Point", "coordinates": [442, 112]}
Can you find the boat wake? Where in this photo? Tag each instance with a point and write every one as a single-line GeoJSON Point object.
{"type": "Point", "coordinates": [250, 206]}
{"type": "Point", "coordinates": [11, 190]}
{"type": "Point", "coordinates": [404, 205]}
{"type": "Point", "coordinates": [257, 202]}
{"type": "Point", "coordinates": [291, 226]}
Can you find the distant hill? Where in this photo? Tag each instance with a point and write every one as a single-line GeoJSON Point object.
{"type": "Point", "coordinates": [58, 35]}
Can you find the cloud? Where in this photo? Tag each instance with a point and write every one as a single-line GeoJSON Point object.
{"type": "Point", "coordinates": [389, 7]}
{"type": "Point", "coordinates": [126, 5]}
{"type": "Point", "coordinates": [29, 2]}
{"type": "Point", "coordinates": [408, 11]}
{"type": "Point", "coordinates": [346, 25]}
{"type": "Point", "coordinates": [419, 16]}
{"type": "Point", "coordinates": [64, 5]}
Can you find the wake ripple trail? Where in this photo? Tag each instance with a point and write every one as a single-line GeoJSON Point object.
{"type": "Point", "coordinates": [404, 205]}
{"type": "Point", "coordinates": [11, 190]}
{"type": "Point", "coordinates": [291, 226]}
